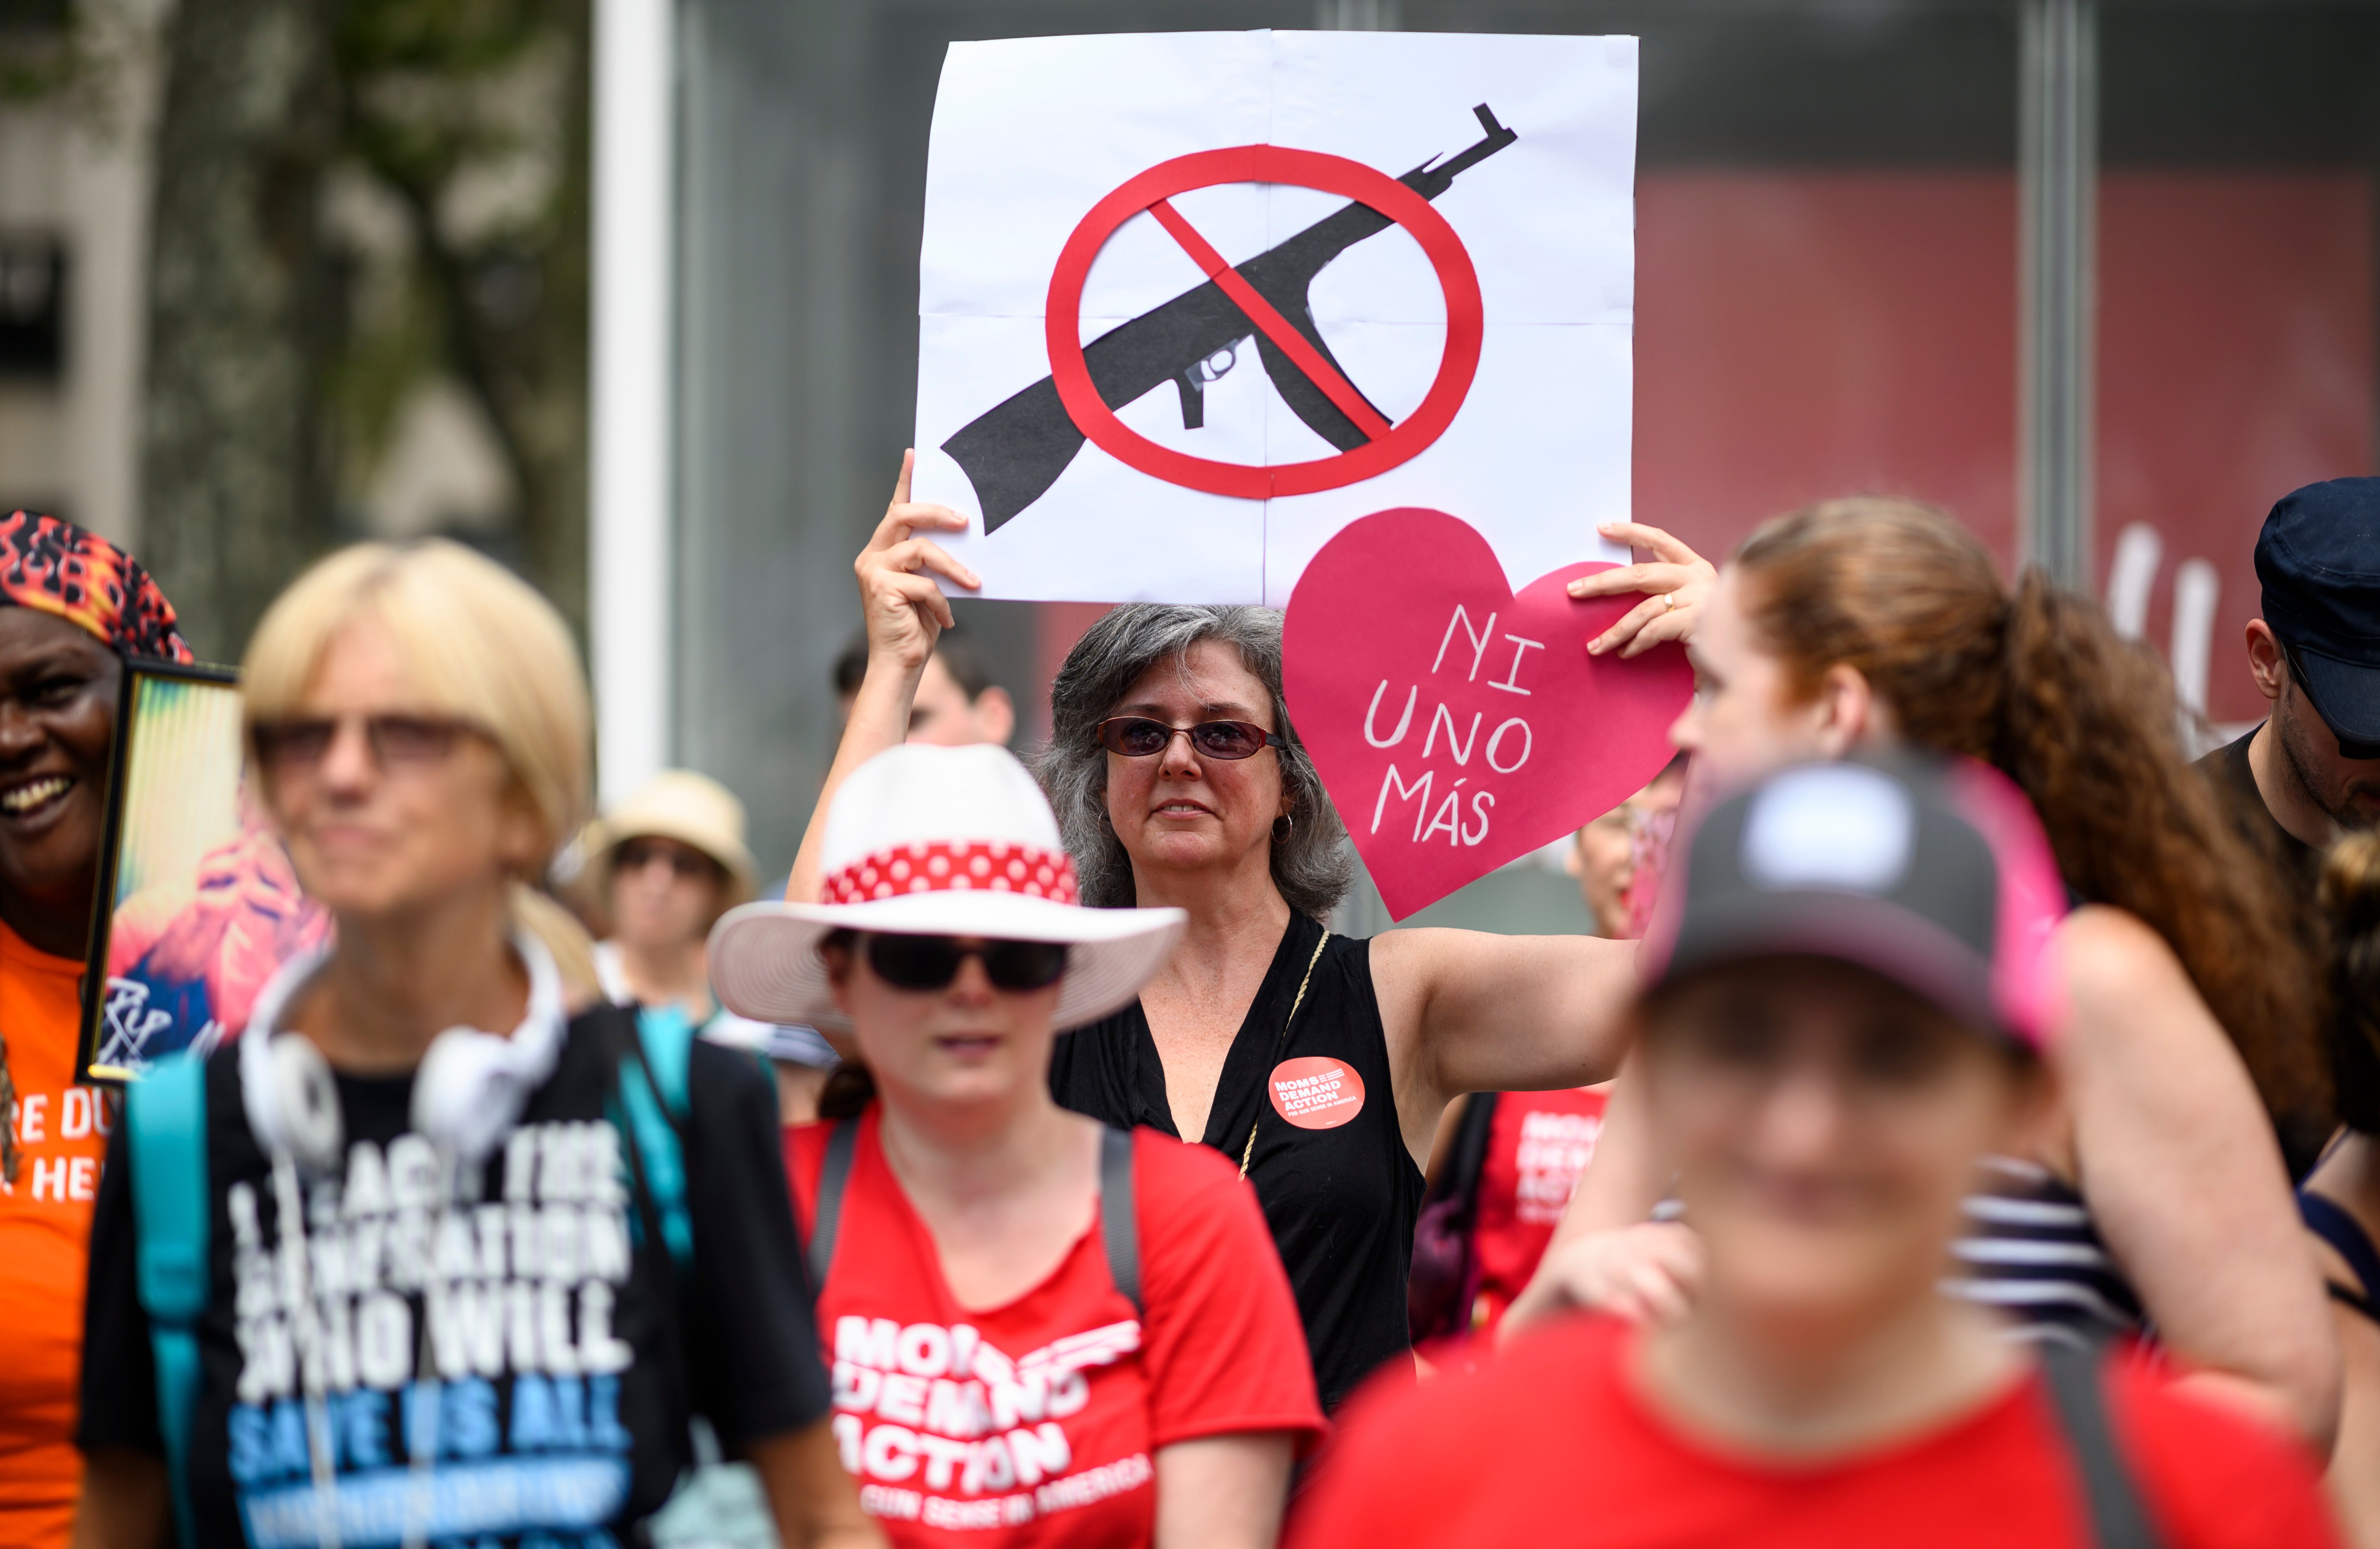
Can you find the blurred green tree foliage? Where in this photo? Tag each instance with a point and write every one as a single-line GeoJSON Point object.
{"type": "Point", "coordinates": [357, 198]}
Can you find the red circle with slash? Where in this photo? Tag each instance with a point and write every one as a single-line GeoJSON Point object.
{"type": "Point", "coordinates": [1266, 164]}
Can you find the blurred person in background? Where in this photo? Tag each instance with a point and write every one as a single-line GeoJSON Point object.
{"type": "Point", "coordinates": [1505, 1162]}
{"type": "Point", "coordinates": [956, 703]}
{"type": "Point", "coordinates": [1842, 1017]}
{"type": "Point", "coordinates": [420, 733]}
{"type": "Point", "coordinates": [2159, 1197]}
{"type": "Point", "coordinates": [1178, 780]}
{"type": "Point", "coordinates": [1617, 858]}
{"type": "Point", "coordinates": [667, 863]}
{"type": "Point", "coordinates": [72, 606]}
{"type": "Point", "coordinates": [1110, 1295]}
{"type": "Point", "coordinates": [2341, 1200]}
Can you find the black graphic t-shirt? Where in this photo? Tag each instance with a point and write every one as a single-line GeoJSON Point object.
{"type": "Point", "coordinates": [487, 1368]}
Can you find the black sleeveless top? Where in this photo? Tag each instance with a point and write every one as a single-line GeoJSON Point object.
{"type": "Point", "coordinates": [1341, 1201]}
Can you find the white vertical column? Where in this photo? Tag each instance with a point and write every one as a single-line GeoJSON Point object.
{"type": "Point", "coordinates": [631, 504]}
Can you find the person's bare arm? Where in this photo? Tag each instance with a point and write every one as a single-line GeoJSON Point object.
{"type": "Point", "coordinates": [2348, 1177]}
{"type": "Point", "coordinates": [1223, 1491]}
{"type": "Point", "coordinates": [2353, 1481]}
{"type": "Point", "coordinates": [1468, 1012]}
{"type": "Point", "coordinates": [2185, 1180]}
{"type": "Point", "coordinates": [1607, 1252]}
{"type": "Point", "coordinates": [1624, 1180]}
{"type": "Point", "coordinates": [124, 1503]}
{"type": "Point", "coordinates": [1443, 1142]}
{"type": "Point", "coordinates": [813, 1500]}
{"type": "Point", "coordinates": [906, 613]}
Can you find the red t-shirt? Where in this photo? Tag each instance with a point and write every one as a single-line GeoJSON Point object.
{"type": "Point", "coordinates": [1036, 1424]}
{"type": "Point", "coordinates": [1549, 1444]}
{"type": "Point", "coordinates": [1537, 1145]}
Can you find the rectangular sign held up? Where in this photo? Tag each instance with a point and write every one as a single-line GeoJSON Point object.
{"type": "Point", "coordinates": [1190, 303]}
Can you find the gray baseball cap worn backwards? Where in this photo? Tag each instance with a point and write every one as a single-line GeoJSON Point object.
{"type": "Point", "coordinates": [1929, 878]}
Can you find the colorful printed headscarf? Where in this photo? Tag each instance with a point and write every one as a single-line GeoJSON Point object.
{"type": "Point", "coordinates": [58, 568]}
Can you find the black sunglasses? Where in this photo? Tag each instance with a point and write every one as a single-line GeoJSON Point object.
{"type": "Point", "coordinates": [928, 963]}
{"type": "Point", "coordinates": [2348, 747]}
{"type": "Point", "coordinates": [1136, 736]}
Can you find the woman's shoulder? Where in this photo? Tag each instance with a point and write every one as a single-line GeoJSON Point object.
{"type": "Point", "coordinates": [2106, 950]}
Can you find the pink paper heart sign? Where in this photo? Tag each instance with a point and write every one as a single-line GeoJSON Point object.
{"type": "Point", "coordinates": [1459, 725]}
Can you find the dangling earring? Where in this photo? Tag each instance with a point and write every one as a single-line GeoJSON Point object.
{"type": "Point", "coordinates": [1284, 826]}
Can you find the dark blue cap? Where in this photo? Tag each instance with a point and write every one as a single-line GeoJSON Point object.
{"type": "Point", "coordinates": [2319, 561]}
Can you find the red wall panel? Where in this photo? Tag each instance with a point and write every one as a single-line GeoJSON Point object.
{"type": "Point", "coordinates": [2235, 364]}
{"type": "Point", "coordinates": [1806, 334]}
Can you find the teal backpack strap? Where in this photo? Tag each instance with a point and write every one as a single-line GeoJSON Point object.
{"type": "Point", "coordinates": [166, 1112]}
{"type": "Point", "coordinates": [653, 1100]}
{"type": "Point", "coordinates": [1119, 1213]}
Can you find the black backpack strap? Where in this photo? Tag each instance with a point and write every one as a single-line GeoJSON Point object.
{"type": "Point", "coordinates": [1469, 1159]}
{"type": "Point", "coordinates": [2078, 1387]}
{"type": "Point", "coordinates": [834, 1177]}
{"type": "Point", "coordinates": [1119, 1213]}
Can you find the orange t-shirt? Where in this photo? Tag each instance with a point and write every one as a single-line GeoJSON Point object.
{"type": "Point", "coordinates": [44, 1233]}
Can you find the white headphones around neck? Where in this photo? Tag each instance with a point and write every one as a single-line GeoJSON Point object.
{"type": "Point", "coordinates": [468, 1091]}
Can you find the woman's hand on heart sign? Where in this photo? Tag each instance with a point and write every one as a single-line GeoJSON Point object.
{"type": "Point", "coordinates": [1676, 580]}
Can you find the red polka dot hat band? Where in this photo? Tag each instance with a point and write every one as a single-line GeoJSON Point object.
{"type": "Point", "coordinates": [943, 865]}
{"type": "Point", "coordinates": [936, 842]}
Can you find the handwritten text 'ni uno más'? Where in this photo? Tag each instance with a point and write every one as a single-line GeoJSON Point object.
{"type": "Point", "coordinates": [1434, 788]}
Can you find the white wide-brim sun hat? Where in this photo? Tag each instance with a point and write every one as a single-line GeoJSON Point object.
{"type": "Point", "coordinates": [936, 842]}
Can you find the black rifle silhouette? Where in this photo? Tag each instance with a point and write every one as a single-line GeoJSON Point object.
{"type": "Point", "coordinates": [1012, 454]}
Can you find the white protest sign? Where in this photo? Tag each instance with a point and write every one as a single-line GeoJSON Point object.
{"type": "Point", "coordinates": [1190, 303]}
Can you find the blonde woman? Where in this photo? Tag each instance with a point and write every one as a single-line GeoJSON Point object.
{"type": "Point", "coordinates": [431, 1311]}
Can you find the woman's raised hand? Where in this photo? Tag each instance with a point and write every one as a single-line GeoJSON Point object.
{"type": "Point", "coordinates": [1647, 1273]}
{"type": "Point", "coordinates": [1678, 579]}
{"type": "Point", "coordinates": [905, 615]}
{"type": "Point", "coordinates": [905, 612]}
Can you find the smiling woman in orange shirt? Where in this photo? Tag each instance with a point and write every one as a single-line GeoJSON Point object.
{"type": "Point", "coordinates": [72, 607]}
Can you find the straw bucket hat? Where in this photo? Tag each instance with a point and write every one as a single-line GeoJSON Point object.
{"type": "Point", "coordinates": [938, 841]}
{"type": "Point", "coordinates": [691, 809]}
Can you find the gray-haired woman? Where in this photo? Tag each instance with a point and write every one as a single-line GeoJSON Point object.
{"type": "Point", "coordinates": [1321, 1064]}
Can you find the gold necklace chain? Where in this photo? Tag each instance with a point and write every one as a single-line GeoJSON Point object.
{"type": "Point", "coordinates": [1248, 1153]}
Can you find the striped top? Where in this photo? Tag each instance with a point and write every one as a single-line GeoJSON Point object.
{"type": "Point", "coordinates": [2030, 1250]}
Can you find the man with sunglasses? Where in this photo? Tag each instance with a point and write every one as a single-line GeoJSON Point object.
{"type": "Point", "coordinates": [2312, 767]}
